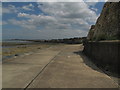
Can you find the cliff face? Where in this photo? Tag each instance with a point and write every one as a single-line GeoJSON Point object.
{"type": "Point", "coordinates": [107, 26]}
{"type": "Point", "coordinates": [91, 32]}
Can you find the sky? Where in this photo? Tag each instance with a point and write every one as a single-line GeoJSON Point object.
{"type": "Point", "coordinates": [48, 20]}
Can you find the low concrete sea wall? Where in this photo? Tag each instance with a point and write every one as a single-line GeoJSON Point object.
{"type": "Point", "coordinates": [104, 54]}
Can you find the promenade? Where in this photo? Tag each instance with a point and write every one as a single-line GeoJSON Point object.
{"type": "Point", "coordinates": [60, 66]}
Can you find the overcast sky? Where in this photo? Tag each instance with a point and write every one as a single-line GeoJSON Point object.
{"type": "Point", "coordinates": [30, 20]}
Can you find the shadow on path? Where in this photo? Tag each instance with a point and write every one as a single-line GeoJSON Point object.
{"type": "Point", "coordinates": [88, 62]}
{"type": "Point", "coordinates": [96, 67]}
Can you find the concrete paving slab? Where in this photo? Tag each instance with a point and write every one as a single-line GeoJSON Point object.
{"type": "Point", "coordinates": [19, 72]}
{"type": "Point", "coordinates": [69, 70]}
{"type": "Point", "coordinates": [55, 67]}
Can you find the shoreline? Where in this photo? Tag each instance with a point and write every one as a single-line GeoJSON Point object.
{"type": "Point", "coordinates": [12, 50]}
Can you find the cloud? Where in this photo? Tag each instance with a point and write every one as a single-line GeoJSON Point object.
{"type": "Point", "coordinates": [39, 20]}
{"type": "Point", "coordinates": [28, 7]}
{"type": "Point", "coordinates": [0, 9]}
{"type": "Point", "coordinates": [12, 9]}
{"type": "Point", "coordinates": [51, 22]}
{"type": "Point", "coordinates": [57, 20]}
{"type": "Point", "coordinates": [94, 9]}
{"type": "Point", "coordinates": [5, 10]}
{"type": "Point", "coordinates": [63, 13]}
{"type": "Point", "coordinates": [0, 23]}
{"type": "Point", "coordinates": [64, 33]}
{"type": "Point", "coordinates": [9, 9]}
{"type": "Point", "coordinates": [69, 10]}
{"type": "Point", "coordinates": [22, 23]}
{"type": "Point", "coordinates": [3, 23]}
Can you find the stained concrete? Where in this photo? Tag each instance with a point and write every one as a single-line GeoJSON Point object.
{"type": "Point", "coordinates": [55, 67]}
{"type": "Point", "coordinates": [18, 72]}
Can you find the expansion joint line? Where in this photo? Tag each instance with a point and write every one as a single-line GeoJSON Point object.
{"type": "Point", "coordinates": [42, 70]}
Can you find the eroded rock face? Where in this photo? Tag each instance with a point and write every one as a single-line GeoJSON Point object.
{"type": "Point", "coordinates": [107, 26]}
{"type": "Point", "coordinates": [91, 32]}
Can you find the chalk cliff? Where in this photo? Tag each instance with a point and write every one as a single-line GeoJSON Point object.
{"type": "Point", "coordinates": [107, 26]}
{"type": "Point", "coordinates": [91, 32]}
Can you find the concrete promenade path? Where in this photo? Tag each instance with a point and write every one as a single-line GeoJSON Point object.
{"type": "Point", "coordinates": [60, 66]}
